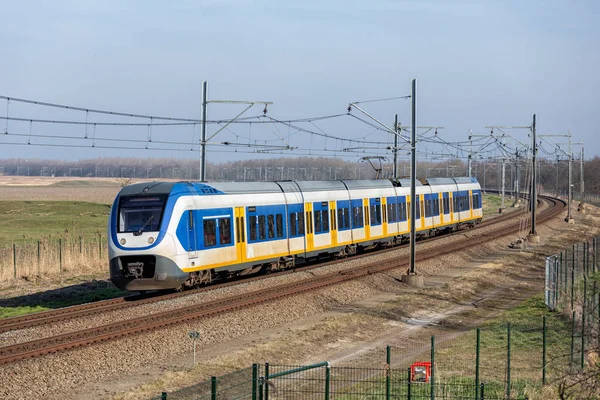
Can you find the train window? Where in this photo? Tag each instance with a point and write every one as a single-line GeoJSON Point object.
{"type": "Point", "coordinates": [293, 217]}
{"type": "Point", "coordinates": [357, 220]}
{"type": "Point", "coordinates": [375, 215]}
{"type": "Point", "coordinates": [476, 200]}
{"type": "Point", "coordinates": [325, 217]}
{"type": "Point", "coordinates": [271, 224]}
{"type": "Point", "coordinates": [279, 223]}
{"type": "Point", "coordinates": [225, 230]}
{"type": "Point", "coordinates": [191, 219]}
{"type": "Point", "coordinates": [418, 208]}
{"type": "Point", "coordinates": [300, 223]}
{"type": "Point", "coordinates": [237, 229]}
{"type": "Point", "coordinates": [317, 221]}
{"type": "Point", "coordinates": [253, 222]}
{"type": "Point", "coordinates": [262, 229]}
{"type": "Point", "coordinates": [210, 232]}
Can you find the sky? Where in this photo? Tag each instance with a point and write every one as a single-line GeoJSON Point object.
{"type": "Point", "coordinates": [477, 64]}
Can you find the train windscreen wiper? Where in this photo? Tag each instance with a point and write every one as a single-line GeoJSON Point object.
{"type": "Point", "coordinates": [139, 231]}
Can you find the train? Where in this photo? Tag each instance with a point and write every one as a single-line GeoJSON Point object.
{"type": "Point", "coordinates": [176, 235]}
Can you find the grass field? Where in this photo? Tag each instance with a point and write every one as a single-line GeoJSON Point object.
{"type": "Point", "coordinates": [26, 221]}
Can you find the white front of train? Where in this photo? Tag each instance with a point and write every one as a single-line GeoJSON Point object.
{"type": "Point", "coordinates": [142, 248]}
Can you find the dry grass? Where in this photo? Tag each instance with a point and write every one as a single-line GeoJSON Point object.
{"type": "Point", "coordinates": [56, 258]}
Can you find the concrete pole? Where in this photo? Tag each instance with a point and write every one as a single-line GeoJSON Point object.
{"type": "Point", "coordinates": [203, 139]}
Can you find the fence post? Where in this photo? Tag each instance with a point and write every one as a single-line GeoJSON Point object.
{"type": "Point", "coordinates": [573, 278]}
{"type": "Point", "coordinates": [327, 381]}
{"type": "Point", "coordinates": [80, 245]}
{"type": "Point", "coordinates": [60, 254]}
{"type": "Point", "coordinates": [583, 322]}
{"type": "Point", "coordinates": [267, 381]}
{"type": "Point", "coordinates": [213, 388]}
{"type": "Point", "coordinates": [254, 381]}
{"type": "Point", "coordinates": [15, 260]}
{"type": "Point", "coordinates": [572, 338]}
{"type": "Point", "coordinates": [544, 352]}
{"type": "Point", "coordinates": [477, 353]}
{"type": "Point", "coordinates": [388, 360]}
{"type": "Point", "coordinates": [409, 385]}
{"type": "Point", "coordinates": [163, 396]}
{"type": "Point", "coordinates": [99, 245]}
{"type": "Point", "coordinates": [508, 360]}
{"type": "Point", "coordinates": [564, 267]}
{"type": "Point", "coordinates": [482, 391]}
{"type": "Point", "coordinates": [38, 257]}
{"type": "Point", "coordinates": [432, 367]}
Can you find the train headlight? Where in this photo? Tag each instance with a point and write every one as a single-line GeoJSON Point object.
{"type": "Point", "coordinates": [123, 241]}
{"type": "Point", "coordinates": [150, 240]}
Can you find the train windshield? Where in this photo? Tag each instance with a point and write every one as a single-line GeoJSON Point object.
{"type": "Point", "coordinates": [141, 213]}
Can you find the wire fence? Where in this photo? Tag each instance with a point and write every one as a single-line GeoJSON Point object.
{"type": "Point", "coordinates": [52, 256]}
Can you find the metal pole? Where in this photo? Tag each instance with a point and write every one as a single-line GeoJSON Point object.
{"type": "Point", "coordinates": [396, 147]}
{"type": "Point", "coordinates": [470, 160]}
{"type": "Point", "coordinates": [327, 381]}
{"type": "Point", "coordinates": [388, 360]}
{"type": "Point", "coordinates": [570, 192]}
{"type": "Point", "coordinates": [583, 322]}
{"type": "Point", "coordinates": [544, 352]}
{"type": "Point", "coordinates": [503, 180]}
{"type": "Point", "coordinates": [477, 354]}
{"type": "Point", "coordinates": [572, 338]}
{"type": "Point", "coordinates": [266, 381]}
{"type": "Point", "coordinates": [203, 139]}
{"type": "Point", "coordinates": [254, 381]}
{"type": "Point", "coordinates": [508, 361]}
{"type": "Point", "coordinates": [581, 207]}
{"type": "Point", "coordinates": [213, 388]}
{"type": "Point", "coordinates": [413, 173]}
{"type": "Point", "coordinates": [533, 180]}
{"type": "Point", "coordinates": [15, 260]}
{"type": "Point", "coordinates": [432, 368]}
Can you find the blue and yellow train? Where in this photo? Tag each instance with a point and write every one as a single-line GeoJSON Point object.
{"type": "Point", "coordinates": [167, 235]}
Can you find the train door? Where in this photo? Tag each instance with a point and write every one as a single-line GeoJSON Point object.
{"type": "Point", "coordinates": [470, 204]}
{"type": "Point", "coordinates": [310, 236]}
{"type": "Point", "coordinates": [333, 223]}
{"type": "Point", "coordinates": [240, 234]}
{"type": "Point", "coordinates": [192, 249]}
{"type": "Point", "coordinates": [367, 218]}
{"type": "Point", "coordinates": [384, 216]}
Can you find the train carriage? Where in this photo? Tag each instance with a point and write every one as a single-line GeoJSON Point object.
{"type": "Point", "coordinates": [171, 235]}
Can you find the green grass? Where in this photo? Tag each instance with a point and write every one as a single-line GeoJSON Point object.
{"type": "Point", "coordinates": [491, 203]}
{"type": "Point", "coordinates": [23, 221]}
{"type": "Point", "coordinates": [43, 302]}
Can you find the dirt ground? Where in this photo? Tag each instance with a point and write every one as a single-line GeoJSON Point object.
{"type": "Point", "coordinates": [470, 289]}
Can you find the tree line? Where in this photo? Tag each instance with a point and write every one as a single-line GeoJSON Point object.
{"type": "Point", "coordinates": [553, 175]}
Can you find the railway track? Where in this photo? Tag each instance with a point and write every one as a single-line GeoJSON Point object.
{"type": "Point", "coordinates": [151, 322]}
